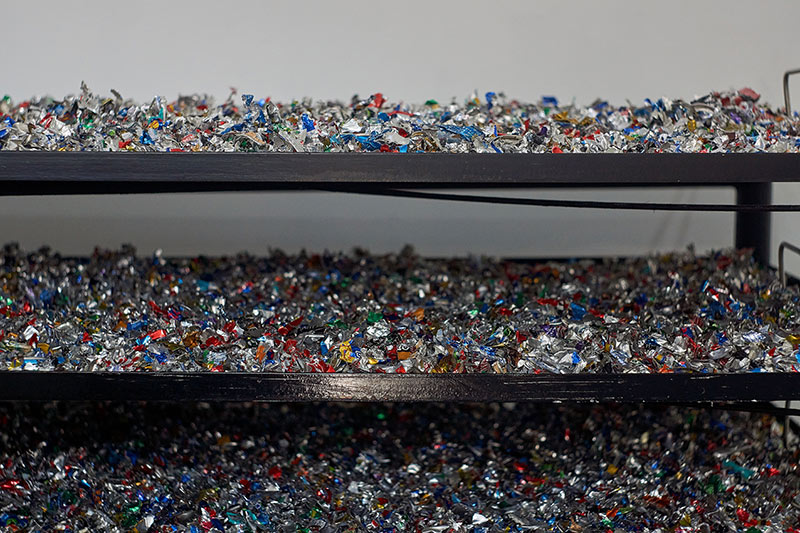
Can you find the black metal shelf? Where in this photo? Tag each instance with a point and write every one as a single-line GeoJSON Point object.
{"type": "Point", "coordinates": [36, 173]}
{"type": "Point", "coordinates": [106, 172]}
{"type": "Point", "coordinates": [281, 387]}
{"type": "Point", "coordinates": [49, 173]}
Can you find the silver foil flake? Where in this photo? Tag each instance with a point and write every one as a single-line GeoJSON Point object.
{"type": "Point", "coordinates": [362, 313]}
{"type": "Point", "coordinates": [728, 121]}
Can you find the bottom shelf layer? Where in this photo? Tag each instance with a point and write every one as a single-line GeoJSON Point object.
{"type": "Point", "coordinates": [215, 467]}
{"type": "Point", "coordinates": [277, 387]}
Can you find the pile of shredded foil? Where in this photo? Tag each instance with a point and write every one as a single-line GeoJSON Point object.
{"type": "Point", "coordinates": [392, 468]}
{"type": "Point", "coordinates": [115, 311]}
{"type": "Point", "coordinates": [730, 121]}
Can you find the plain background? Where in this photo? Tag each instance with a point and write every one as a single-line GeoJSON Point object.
{"type": "Point", "coordinates": [412, 51]}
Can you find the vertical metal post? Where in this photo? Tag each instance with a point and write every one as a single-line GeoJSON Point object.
{"type": "Point", "coordinates": [753, 229]}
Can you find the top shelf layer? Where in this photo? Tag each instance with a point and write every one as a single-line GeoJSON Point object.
{"type": "Point", "coordinates": [104, 172]}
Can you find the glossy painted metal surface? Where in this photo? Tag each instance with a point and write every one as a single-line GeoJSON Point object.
{"type": "Point", "coordinates": [104, 172]}
{"type": "Point", "coordinates": [16, 385]}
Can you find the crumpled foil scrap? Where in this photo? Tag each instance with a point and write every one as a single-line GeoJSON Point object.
{"type": "Point", "coordinates": [396, 313]}
{"type": "Point", "coordinates": [391, 468]}
{"type": "Point", "coordinates": [718, 122]}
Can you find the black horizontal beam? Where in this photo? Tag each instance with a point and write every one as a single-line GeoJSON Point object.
{"type": "Point", "coordinates": [106, 172]}
{"type": "Point", "coordinates": [21, 385]}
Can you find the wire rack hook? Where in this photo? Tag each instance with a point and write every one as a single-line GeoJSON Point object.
{"type": "Point", "coordinates": [786, 99]}
{"type": "Point", "coordinates": [781, 261]}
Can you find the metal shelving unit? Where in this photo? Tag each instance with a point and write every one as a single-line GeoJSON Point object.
{"type": "Point", "coordinates": [752, 175]}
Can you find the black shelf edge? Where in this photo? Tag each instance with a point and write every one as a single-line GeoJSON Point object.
{"type": "Point", "coordinates": [278, 387]}
{"type": "Point", "coordinates": [109, 172]}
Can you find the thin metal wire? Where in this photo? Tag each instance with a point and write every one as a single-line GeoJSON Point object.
{"type": "Point", "coordinates": [786, 99]}
{"type": "Point", "coordinates": [781, 263]}
{"type": "Point", "coordinates": [581, 204]}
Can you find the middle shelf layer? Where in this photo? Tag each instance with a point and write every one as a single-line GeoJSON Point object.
{"type": "Point", "coordinates": [334, 327]}
{"type": "Point", "coordinates": [396, 314]}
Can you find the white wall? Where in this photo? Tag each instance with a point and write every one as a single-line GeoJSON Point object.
{"type": "Point", "coordinates": [412, 50]}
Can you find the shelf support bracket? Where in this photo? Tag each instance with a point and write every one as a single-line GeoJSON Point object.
{"type": "Point", "coordinates": [753, 229]}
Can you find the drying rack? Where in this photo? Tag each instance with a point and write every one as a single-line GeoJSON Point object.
{"type": "Point", "coordinates": [752, 176]}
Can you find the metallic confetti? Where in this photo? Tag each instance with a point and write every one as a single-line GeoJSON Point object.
{"type": "Point", "coordinates": [392, 468]}
{"type": "Point", "coordinates": [397, 313]}
{"type": "Point", "coordinates": [728, 121]}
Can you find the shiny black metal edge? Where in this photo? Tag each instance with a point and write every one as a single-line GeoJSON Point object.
{"type": "Point", "coordinates": [105, 172]}
{"type": "Point", "coordinates": [278, 387]}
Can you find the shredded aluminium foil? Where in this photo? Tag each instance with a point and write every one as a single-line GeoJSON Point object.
{"type": "Point", "coordinates": [392, 468]}
{"type": "Point", "coordinates": [728, 121]}
{"type": "Point", "coordinates": [394, 313]}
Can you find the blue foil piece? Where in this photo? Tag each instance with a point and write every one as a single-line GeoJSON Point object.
{"type": "Point", "coordinates": [308, 124]}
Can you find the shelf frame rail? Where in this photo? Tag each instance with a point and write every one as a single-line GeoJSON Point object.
{"type": "Point", "coordinates": [786, 98]}
{"type": "Point", "coordinates": [782, 275]}
{"type": "Point", "coordinates": [58, 173]}
{"type": "Point", "coordinates": [782, 262]}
